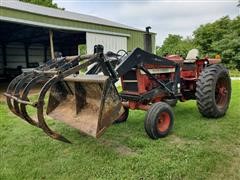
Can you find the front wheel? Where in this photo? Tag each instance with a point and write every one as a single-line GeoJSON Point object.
{"type": "Point", "coordinates": [159, 120]}
{"type": "Point", "coordinates": [123, 117]}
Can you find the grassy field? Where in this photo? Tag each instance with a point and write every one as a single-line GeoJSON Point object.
{"type": "Point", "coordinates": [197, 148]}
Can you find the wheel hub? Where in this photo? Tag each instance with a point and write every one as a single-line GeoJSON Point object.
{"type": "Point", "coordinates": [221, 93]}
{"type": "Point", "coordinates": [163, 122]}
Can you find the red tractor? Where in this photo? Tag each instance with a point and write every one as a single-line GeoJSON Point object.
{"type": "Point", "coordinates": [91, 102]}
{"type": "Point", "coordinates": [154, 84]}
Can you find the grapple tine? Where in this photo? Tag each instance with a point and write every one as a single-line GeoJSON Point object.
{"type": "Point", "coordinates": [10, 90]}
{"type": "Point", "coordinates": [17, 90]}
{"type": "Point", "coordinates": [17, 84]}
{"type": "Point", "coordinates": [59, 137]}
{"type": "Point", "coordinates": [40, 115]}
{"type": "Point", "coordinates": [24, 97]}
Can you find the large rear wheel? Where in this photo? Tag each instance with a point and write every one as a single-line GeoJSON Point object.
{"type": "Point", "coordinates": [159, 120]}
{"type": "Point", "coordinates": [213, 91]}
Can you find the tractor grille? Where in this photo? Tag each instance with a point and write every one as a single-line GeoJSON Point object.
{"type": "Point", "coordinates": [130, 75]}
{"type": "Point", "coordinates": [129, 81]}
{"type": "Point", "coordinates": [131, 86]}
{"type": "Point", "coordinates": [189, 66]}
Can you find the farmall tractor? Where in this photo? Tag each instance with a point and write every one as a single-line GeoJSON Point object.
{"type": "Point", "coordinates": [91, 102]}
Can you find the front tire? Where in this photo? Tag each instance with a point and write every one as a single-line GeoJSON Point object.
{"type": "Point", "coordinates": [213, 91]}
{"type": "Point", "coordinates": [123, 117]}
{"type": "Point", "coordinates": [159, 120]}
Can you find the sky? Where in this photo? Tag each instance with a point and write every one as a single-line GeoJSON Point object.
{"type": "Point", "coordinates": [165, 17]}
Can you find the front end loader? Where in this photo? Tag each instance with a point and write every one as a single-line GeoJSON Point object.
{"type": "Point", "coordinates": [90, 102]}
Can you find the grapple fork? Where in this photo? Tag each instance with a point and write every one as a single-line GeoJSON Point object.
{"type": "Point", "coordinates": [16, 86]}
{"type": "Point", "coordinates": [89, 103]}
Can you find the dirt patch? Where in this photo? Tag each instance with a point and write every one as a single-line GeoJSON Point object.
{"type": "Point", "coordinates": [124, 150]}
{"type": "Point", "coordinates": [2, 97]}
{"type": "Point", "coordinates": [3, 88]}
{"type": "Point", "coordinates": [178, 140]}
{"type": "Point", "coordinates": [118, 148]}
{"type": "Point", "coordinates": [230, 169]}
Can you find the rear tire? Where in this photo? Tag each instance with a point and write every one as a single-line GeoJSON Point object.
{"type": "Point", "coordinates": [159, 120]}
{"type": "Point", "coordinates": [213, 91]}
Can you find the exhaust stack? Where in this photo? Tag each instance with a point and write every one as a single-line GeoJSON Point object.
{"type": "Point", "coordinates": [148, 40]}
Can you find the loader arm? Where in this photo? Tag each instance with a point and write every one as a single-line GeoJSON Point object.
{"type": "Point", "coordinates": [138, 58]}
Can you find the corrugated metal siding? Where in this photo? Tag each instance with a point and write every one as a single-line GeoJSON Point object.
{"type": "Point", "coordinates": [153, 43]}
{"type": "Point", "coordinates": [110, 43]}
{"type": "Point", "coordinates": [36, 53]}
{"type": "Point", "coordinates": [15, 55]}
{"type": "Point", "coordinates": [1, 61]}
{"type": "Point", "coordinates": [136, 39]}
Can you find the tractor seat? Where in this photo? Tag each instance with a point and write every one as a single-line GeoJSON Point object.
{"type": "Point", "coordinates": [192, 56]}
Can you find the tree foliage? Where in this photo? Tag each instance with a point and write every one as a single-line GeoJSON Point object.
{"type": "Point", "coordinates": [209, 33]}
{"type": "Point", "coordinates": [220, 37]}
{"type": "Point", "coordinates": [175, 44]}
{"type": "Point", "coordinates": [46, 3]}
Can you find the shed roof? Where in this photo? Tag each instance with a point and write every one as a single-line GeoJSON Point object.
{"type": "Point", "coordinates": [58, 13]}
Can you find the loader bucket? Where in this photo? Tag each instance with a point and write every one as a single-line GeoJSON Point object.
{"type": "Point", "coordinates": [89, 103]}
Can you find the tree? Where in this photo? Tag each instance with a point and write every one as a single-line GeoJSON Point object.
{"type": "Point", "coordinates": [220, 37]}
{"type": "Point", "coordinates": [46, 3]}
{"type": "Point", "coordinates": [169, 45]}
{"type": "Point", "coordinates": [206, 34]}
{"type": "Point", "coordinates": [175, 44]}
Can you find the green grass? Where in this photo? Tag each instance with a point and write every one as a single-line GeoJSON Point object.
{"type": "Point", "coordinates": [197, 148]}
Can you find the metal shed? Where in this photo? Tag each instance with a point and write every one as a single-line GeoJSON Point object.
{"type": "Point", "coordinates": [25, 29]}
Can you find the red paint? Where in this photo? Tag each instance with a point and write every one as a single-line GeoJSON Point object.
{"type": "Point", "coordinates": [163, 122]}
{"type": "Point", "coordinates": [145, 84]}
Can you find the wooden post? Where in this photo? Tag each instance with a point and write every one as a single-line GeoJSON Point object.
{"type": "Point", "coordinates": [26, 46]}
{"type": "Point", "coordinates": [45, 53]}
{"type": "Point", "coordinates": [51, 44]}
